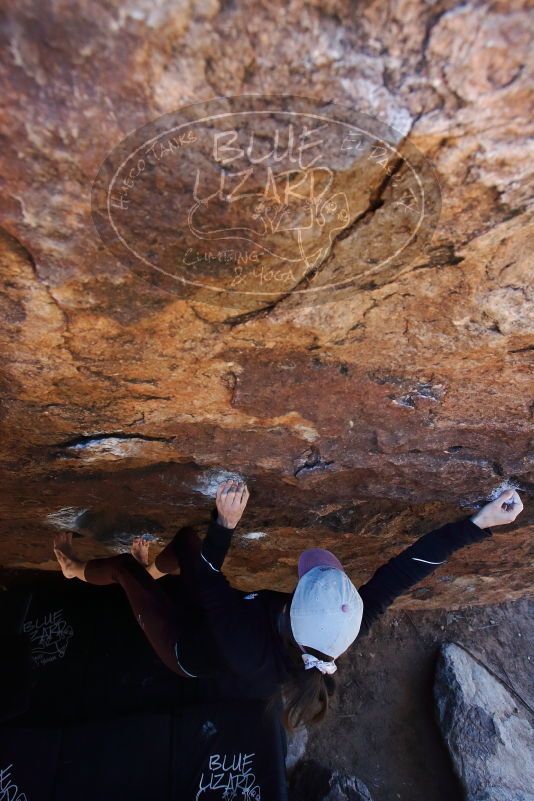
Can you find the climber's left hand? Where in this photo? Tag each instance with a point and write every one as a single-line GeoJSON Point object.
{"type": "Point", "coordinates": [502, 510]}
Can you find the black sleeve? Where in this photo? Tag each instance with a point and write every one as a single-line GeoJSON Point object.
{"type": "Point", "coordinates": [241, 634]}
{"type": "Point", "coordinates": [216, 543]}
{"type": "Point", "coordinates": [414, 564]}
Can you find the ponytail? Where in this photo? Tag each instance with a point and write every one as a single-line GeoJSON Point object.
{"type": "Point", "coordinates": [306, 695]}
{"type": "Point", "coordinates": [306, 698]}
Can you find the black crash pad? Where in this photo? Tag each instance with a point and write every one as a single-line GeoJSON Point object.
{"type": "Point", "coordinates": [107, 721]}
{"type": "Point", "coordinates": [228, 751]}
{"type": "Point", "coordinates": [212, 752]}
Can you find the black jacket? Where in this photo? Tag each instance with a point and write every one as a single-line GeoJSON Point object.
{"type": "Point", "coordinates": [244, 625]}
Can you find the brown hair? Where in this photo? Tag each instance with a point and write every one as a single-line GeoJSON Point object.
{"type": "Point", "coordinates": [306, 694]}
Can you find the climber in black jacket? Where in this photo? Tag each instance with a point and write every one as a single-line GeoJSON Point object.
{"type": "Point", "coordinates": [271, 640]}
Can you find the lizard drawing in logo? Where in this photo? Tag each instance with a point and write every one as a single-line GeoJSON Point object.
{"type": "Point", "coordinates": [294, 218]}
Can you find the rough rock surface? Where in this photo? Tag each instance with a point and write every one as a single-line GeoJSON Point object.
{"type": "Point", "coordinates": [347, 788]}
{"type": "Point", "coordinates": [296, 747]}
{"type": "Point", "coordinates": [358, 423]}
{"type": "Point", "coordinates": [382, 721]}
{"type": "Point", "coordinates": [488, 731]}
{"type": "Point", "coordinates": [311, 781]}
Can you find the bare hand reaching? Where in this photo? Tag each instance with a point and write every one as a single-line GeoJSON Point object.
{"type": "Point", "coordinates": [232, 497]}
{"type": "Point", "coordinates": [502, 510]}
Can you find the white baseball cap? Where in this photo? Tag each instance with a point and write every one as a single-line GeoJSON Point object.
{"type": "Point", "coordinates": [326, 609]}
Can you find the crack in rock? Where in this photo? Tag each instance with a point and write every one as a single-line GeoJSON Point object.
{"type": "Point", "coordinates": [93, 440]}
{"type": "Point", "coordinates": [309, 462]}
{"type": "Point", "coordinates": [411, 390]}
{"type": "Point", "coordinates": [376, 201]}
{"type": "Point", "coordinates": [443, 255]}
{"type": "Point", "coordinates": [66, 518]}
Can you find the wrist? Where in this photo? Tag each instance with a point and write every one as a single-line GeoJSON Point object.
{"type": "Point", "coordinates": [225, 522]}
{"type": "Point", "coordinates": [478, 520]}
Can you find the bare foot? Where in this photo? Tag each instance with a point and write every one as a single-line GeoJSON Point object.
{"type": "Point", "coordinates": [139, 550]}
{"type": "Point", "coordinates": [70, 565]}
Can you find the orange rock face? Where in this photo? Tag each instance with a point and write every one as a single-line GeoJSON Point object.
{"type": "Point", "coordinates": [365, 398]}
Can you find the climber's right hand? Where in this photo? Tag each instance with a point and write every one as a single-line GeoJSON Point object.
{"type": "Point", "coordinates": [232, 497]}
